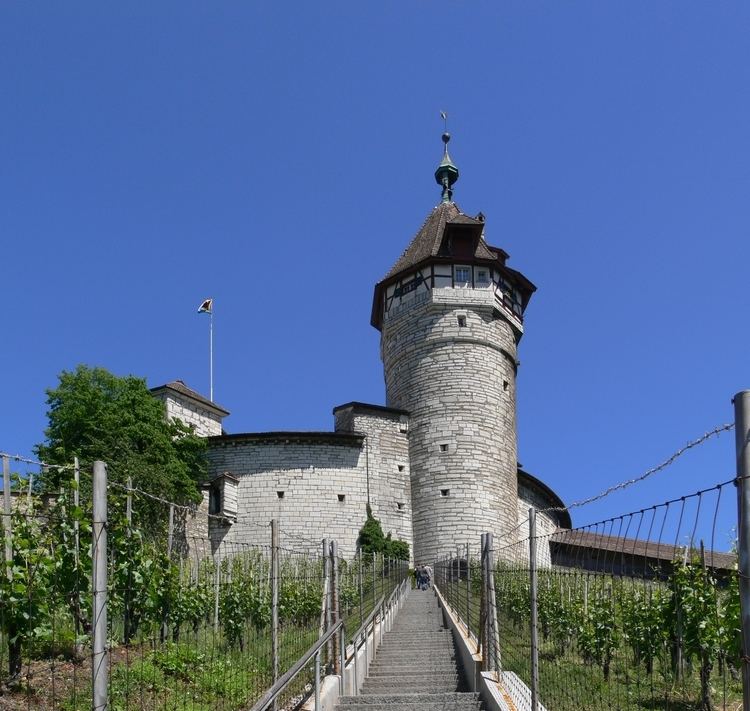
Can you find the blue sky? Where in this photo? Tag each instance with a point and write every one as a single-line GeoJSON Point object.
{"type": "Point", "coordinates": [278, 157]}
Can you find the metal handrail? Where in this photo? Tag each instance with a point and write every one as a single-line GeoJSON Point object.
{"type": "Point", "coordinates": [369, 619]}
{"type": "Point", "coordinates": [379, 605]}
{"type": "Point", "coordinates": [270, 696]}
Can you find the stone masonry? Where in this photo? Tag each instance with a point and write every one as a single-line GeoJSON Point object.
{"type": "Point", "coordinates": [438, 464]}
{"type": "Point", "coordinates": [315, 484]}
{"type": "Point", "coordinates": [458, 384]}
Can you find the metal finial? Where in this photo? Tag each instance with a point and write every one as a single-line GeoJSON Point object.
{"type": "Point", "coordinates": [447, 173]}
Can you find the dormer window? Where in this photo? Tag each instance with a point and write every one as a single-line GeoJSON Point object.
{"type": "Point", "coordinates": [462, 276]}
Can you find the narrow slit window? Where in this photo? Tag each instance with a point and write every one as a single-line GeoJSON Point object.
{"type": "Point", "coordinates": [400, 505]}
{"type": "Point", "coordinates": [462, 321]}
{"type": "Point", "coordinates": [443, 447]}
{"type": "Point", "coordinates": [342, 497]}
{"type": "Point", "coordinates": [505, 385]}
{"type": "Point", "coordinates": [401, 467]}
{"type": "Point", "coordinates": [280, 494]}
{"type": "Point", "coordinates": [445, 492]}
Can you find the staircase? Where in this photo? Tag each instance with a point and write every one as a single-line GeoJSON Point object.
{"type": "Point", "coordinates": [415, 669]}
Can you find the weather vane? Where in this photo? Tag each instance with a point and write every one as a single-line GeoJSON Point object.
{"type": "Point", "coordinates": [444, 116]}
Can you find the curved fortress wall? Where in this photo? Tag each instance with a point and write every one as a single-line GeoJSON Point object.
{"type": "Point", "coordinates": [449, 359]}
{"type": "Point", "coordinates": [316, 484]}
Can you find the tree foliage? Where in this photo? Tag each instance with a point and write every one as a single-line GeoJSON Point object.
{"type": "Point", "coordinates": [93, 414]}
{"type": "Point", "coordinates": [373, 540]}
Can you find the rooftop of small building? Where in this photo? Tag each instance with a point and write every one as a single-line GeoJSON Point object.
{"type": "Point", "coordinates": [608, 546]}
{"type": "Point", "coordinates": [178, 386]}
{"type": "Point", "coordinates": [365, 406]}
{"type": "Point", "coordinates": [350, 439]}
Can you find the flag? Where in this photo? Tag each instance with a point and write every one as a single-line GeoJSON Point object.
{"type": "Point", "coordinates": [206, 307]}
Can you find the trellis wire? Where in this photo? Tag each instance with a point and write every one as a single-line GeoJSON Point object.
{"type": "Point", "coordinates": [635, 612]}
{"type": "Point", "coordinates": [189, 612]}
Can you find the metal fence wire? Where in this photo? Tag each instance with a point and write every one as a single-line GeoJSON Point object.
{"type": "Point", "coordinates": [126, 608]}
{"type": "Point", "coordinates": [635, 612]}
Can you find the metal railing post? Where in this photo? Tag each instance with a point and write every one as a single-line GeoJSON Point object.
{"type": "Point", "coordinates": [483, 617]}
{"type": "Point", "coordinates": [534, 624]}
{"type": "Point", "coordinates": [742, 443]}
{"type": "Point", "coordinates": [275, 600]}
{"type": "Point", "coordinates": [99, 658]}
{"type": "Point", "coordinates": [335, 611]}
{"type": "Point", "coordinates": [217, 588]}
{"type": "Point", "coordinates": [468, 590]}
{"type": "Point", "coordinates": [361, 590]}
{"type": "Point", "coordinates": [317, 681]}
{"type": "Point", "coordinates": [327, 598]}
{"type": "Point", "coordinates": [492, 605]}
{"type": "Point", "coordinates": [356, 666]}
{"type": "Point", "coordinates": [342, 658]}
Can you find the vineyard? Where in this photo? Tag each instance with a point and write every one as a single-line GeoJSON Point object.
{"type": "Point", "coordinates": [620, 626]}
{"type": "Point", "coordinates": [187, 627]}
{"type": "Point", "coordinates": [609, 642]}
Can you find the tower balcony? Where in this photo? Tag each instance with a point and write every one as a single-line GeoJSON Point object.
{"type": "Point", "coordinates": [491, 297]}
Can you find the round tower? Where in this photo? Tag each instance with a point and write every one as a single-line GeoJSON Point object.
{"type": "Point", "coordinates": [450, 313]}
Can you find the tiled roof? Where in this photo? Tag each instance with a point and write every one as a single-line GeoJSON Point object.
{"type": "Point", "coordinates": [367, 406]}
{"type": "Point", "coordinates": [346, 439]}
{"type": "Point", "coordinates": [179, 387]}
{"type": "Point", "coordinates": [653, 550]}
{"type": "Point", "coordinates": [427, 241]}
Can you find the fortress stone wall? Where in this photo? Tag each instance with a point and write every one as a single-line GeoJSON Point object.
{"type": "Point", "coordinates": [316, 484]}
{"type": "Point", "coordinates": [450, 361]}
{"type": "Point", "coordinates": [438, 464]}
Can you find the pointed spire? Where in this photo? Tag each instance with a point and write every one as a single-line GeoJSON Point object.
{"type": "Point", "coordinates": [446, 173]}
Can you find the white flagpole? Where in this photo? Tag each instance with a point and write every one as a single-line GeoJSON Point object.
{"type": "Point", "coordinates": [211, 352]}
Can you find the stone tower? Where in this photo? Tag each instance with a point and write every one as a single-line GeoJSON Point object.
{"type": "Point", "coordinates": [450, 313]}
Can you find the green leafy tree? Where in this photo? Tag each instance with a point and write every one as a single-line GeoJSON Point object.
{"type": "Point", "coordinates": [373, 540]}
{"type": "Point", "coordinates": [93, 414]}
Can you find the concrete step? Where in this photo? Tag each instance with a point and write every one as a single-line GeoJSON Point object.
{"type": "Point", "coordinates": [379, 667]}
{"type": "Point", "coordinates": [415, 668]}
{"type": "Point", "coordinates": [417, 676]}
{"type": "Point", "coordinates": [400, 670]}
{"type": "Point", "coordinates": [443, 700]}
{"type": "Point", "coordinates": [406, 657]}
{"type": "Point", "coordinates": [400, 685]}
{"type": "Point", "coordinates": [439, 637]}
{"type": "Point", "coordinates": [423, 706]}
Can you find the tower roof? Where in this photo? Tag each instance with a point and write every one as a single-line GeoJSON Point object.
{"type": "Point", "coordinates": [449, 235]}
{"type": "Point", "coordinates": [429, 238]}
